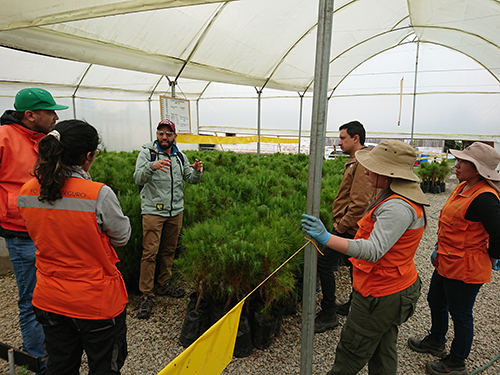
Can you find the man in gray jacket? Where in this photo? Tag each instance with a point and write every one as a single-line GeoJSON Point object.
{"type": "Point", "coordinates": [161, 169]}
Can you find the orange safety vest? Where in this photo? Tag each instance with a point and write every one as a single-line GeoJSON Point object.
{"type": "Point", "coordinates": [76, 264]}
{"type": "Point", "coordinates": [463, 244]}
{"type": "Point", "coordinates": [18, 154]}
{"type": "Point", "coordinates": [395, 271]}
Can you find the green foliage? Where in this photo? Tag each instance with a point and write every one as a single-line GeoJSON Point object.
{"type": "Point", "coordinates": [23, 370]}
{"type": "Point", "coordinates": [116, 169]}
{"type": "Point", "coordinates": [243, 221]}
{"type": "Point", "coordinates": [240, 223]}
{"type": "Point", "coordinates": [452, 145]}
{"type": "Point", "coordinates": [444, 170]}
{"type": "Point", "coordinates": [434, 173]}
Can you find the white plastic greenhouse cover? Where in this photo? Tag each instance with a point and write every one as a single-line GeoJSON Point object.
{"type": "Point", "coordinates": [119, 56]}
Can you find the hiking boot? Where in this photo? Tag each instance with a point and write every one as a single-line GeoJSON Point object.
{"type": "Point", "coordinates": [448, 365]}
{"type": "Point", "coordinates": [325, 320]}
{"type": "Point", "coordinates": [145, 308]}
{"type": "Point", "coordinates": [344, 308]}
{"type": "Point", "coordinates": [171, 290]}
{"type": "Point", "coordinates": [429, 344]}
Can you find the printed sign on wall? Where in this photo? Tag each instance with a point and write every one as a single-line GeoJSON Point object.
{"type": "Point", "coordinates": [177, 111]}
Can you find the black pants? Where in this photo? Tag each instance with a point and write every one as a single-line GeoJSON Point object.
{"type": "Point", "coordinates": [327, 264]}
{"type": "Point", "coordinates": [104, 341]}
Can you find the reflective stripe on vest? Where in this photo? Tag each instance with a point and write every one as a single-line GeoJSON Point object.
{"type": "Point", "coordinates": [76, 271]}
{"type": "Point", "coordinates": [395, 271]}
{"type": "Point", "coordinates": [72, 204]}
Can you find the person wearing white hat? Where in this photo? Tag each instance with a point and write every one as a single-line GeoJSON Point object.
{"type": "Point", "coordinates": [468, 241]}
{"type": "Point", "coordinates": [385, 280]}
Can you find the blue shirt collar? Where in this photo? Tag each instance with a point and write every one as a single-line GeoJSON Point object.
{"type": "Point", "coordinates": [175, 150]}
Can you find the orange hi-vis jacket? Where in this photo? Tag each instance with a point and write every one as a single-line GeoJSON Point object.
{"type": "Point", "coordinates": [76, 264]}
{"type": "Point", "coordinates": [395, 271]}
{"type": "Point", "coordinates": [462, 252]}
{"type": "Point", "coordinates": [18, 154]}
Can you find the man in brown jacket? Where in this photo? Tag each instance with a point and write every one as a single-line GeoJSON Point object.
{"type": "Point", "coordinates": [349, 206]}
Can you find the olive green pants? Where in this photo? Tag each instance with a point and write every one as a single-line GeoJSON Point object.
{"type": "Point", "coordinates": [370, 333]}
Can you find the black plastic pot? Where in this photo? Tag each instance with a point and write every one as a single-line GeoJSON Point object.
{"type": "Point", "coordinates": [243, 346]}
{"type": "Point", "coordinates": [425, 187]}
{"type": "Point", "coordinates": [263, 330]}
{"type": "Point", "coordinates": [291, 305]}
{"type": "Point", "coordinates": [196, 322]}
{"type": "Point", "coordinates": [193, 327]}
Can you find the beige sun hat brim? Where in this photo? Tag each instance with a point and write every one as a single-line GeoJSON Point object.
{"type": "Point", "coordinates": [381, 161]}
{"type": "Point", "coordinates": [410, 190]}
{"type": "Point", "coordinates": [488, 155]}
{"type": "Point", "coordinates": [494, 184]}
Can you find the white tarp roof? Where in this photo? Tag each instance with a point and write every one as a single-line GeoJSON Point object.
{"type": "Point", "coordinates": [128, 51]}
{"type": "Point", "coordinates": [260, 43]}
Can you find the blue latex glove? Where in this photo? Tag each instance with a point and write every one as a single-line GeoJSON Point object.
{"type": "Point", "coordinates": [315, 228]}
{"type": "Point", "coordinates": [495, 265]}
{"type": "Point", "coordinates": [433, 255]}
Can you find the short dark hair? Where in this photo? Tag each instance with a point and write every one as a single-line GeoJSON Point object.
{"type": "Point", "coordinates": [355, 128]}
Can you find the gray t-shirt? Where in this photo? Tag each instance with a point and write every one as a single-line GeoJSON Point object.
{"type": "Point", "coordinates": [392, 219]}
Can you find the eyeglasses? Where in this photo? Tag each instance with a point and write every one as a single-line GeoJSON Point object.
{"type": "Point", "coordinates": [162, 133]}
{"type": "Point", "coordinates": [97, 153]}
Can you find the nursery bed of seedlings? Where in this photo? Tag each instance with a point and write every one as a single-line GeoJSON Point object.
{"type": "Point", "coordinates": [153, 343]}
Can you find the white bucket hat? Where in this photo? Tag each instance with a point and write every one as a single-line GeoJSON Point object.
{"type": "Point", "coordinates": [394, 159]}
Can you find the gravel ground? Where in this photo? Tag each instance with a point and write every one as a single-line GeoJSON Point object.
{"type": "Point", "coordinates": [154, 343]}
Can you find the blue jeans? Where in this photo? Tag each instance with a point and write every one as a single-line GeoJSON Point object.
{"type": "Point", "coordinates": [457, 298]}
{"type": "Point", "coordinates": [22, 256]}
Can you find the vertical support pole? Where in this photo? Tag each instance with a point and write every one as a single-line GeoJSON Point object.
{"type": "Point", "coordinates": [12, 363]}
{"type": "Point", "coordinates": [73, 97]}
{"type": "Point", "coordinates": [172, 84]}
{"type": "Point", "coordinates": [74, 105]}
{"type": "Point", "coordinates": [300, 119]}
{"type": "Point", "coordinates": [259, 99]}
{"type": "Point", "coordinates": [150, 120]}
{"type": "Point", "coordinates": [149, 107]}
{"type": "Point", "coordinates": [198, 119]}
{"type": "Point", "coordinates": [414, 96]}
{"type": "Point", "coordinates": [198, 116]}
{"type": "Point", "coordinates": [318, 133]}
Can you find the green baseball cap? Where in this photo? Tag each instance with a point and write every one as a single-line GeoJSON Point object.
{"type": "Point", "coordinates": [34, 99]}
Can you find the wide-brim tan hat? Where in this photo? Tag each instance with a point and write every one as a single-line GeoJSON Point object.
{"type": "Point", "coordinates": [494, 184]}
{"type": "Point", "coordinates": [484, 157]}
{"type": "Point", "coordinates": [390, 158]}
{"type": "Point", "coordinates": [395, 159]}
{"type": "Point", "coordinates": [410, 190]}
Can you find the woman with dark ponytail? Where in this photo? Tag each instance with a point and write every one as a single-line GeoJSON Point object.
{"type": "Point", "coordinates": [80, 297]}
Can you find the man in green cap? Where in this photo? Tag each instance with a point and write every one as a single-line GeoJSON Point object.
{"type": "Point", "coordinates": [20, 131]}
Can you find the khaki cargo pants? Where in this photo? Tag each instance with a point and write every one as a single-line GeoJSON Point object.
{"type": "Point", "coordinates": [160, 235]}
